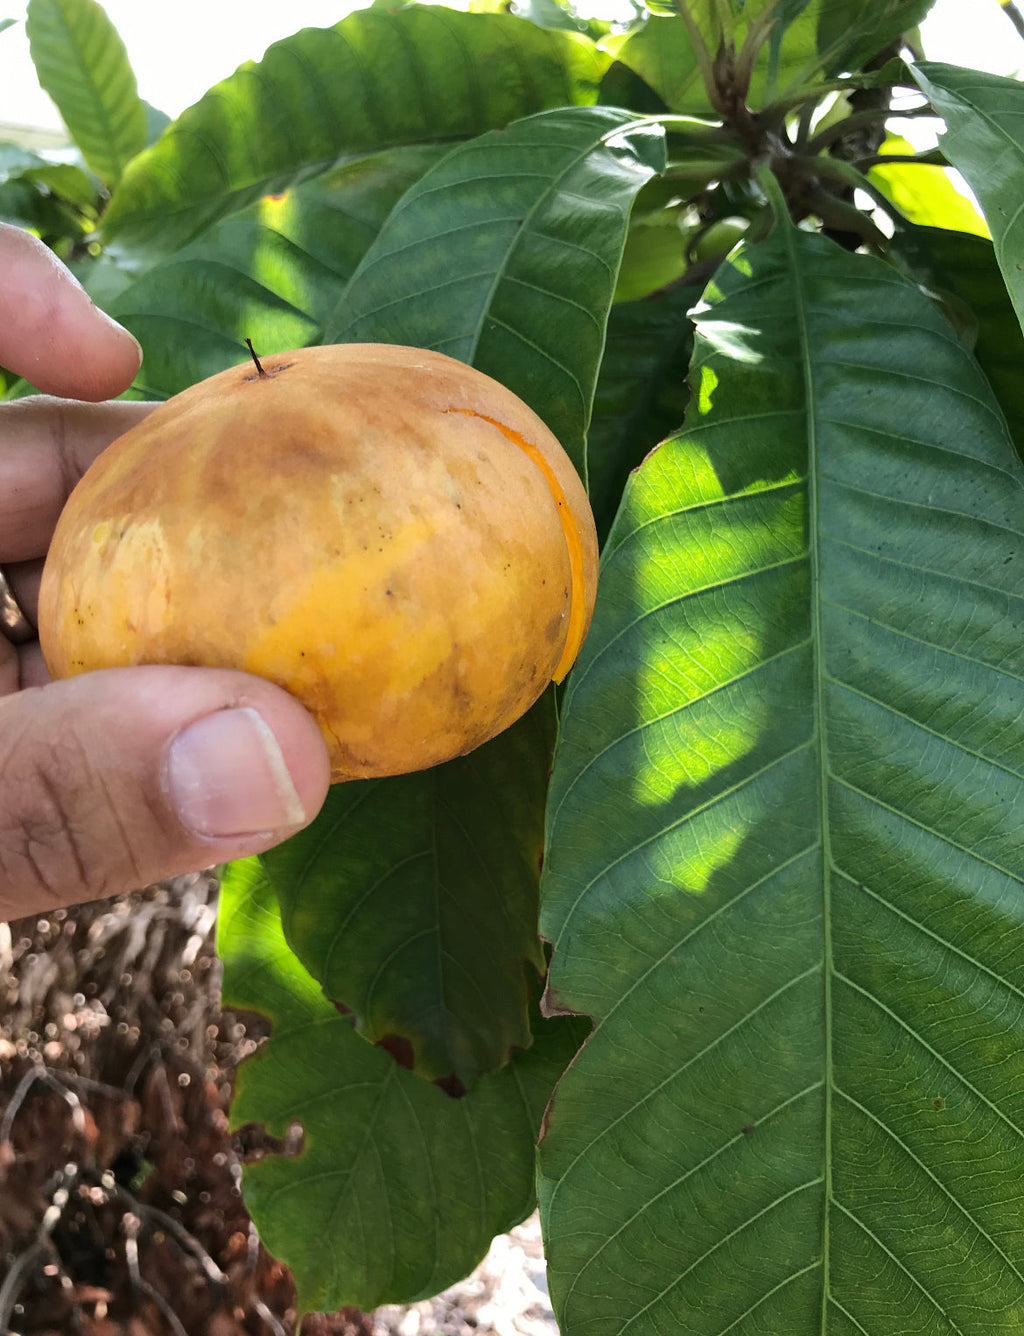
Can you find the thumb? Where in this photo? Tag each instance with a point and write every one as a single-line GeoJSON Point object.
{"type": "Point", "coordinates": [115, 779]}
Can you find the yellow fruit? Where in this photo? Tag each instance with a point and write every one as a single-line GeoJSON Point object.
{"type": "Point", "coordinates": [388, 534]}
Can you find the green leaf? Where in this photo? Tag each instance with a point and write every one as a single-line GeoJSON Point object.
{"type": "Point", "coordinates": [81, 62]}
{"type": "Point", "coordinates": [157, 122]}
{"type": "Point", "coordinates": [378, 79]}
{"type": "Point", "coordinates": [560, 14]}
{"type": "Point", "coordinates": [413, 902]}
{"type": "Point", "coordinates": [271, 273]}
{"type": "Point", "coordinates": [105, 277]}
{"type": "Point", "coordinates": [852, 32]}
{"type": "Point", "coordinates": [56, 200]}
{"type": "Point", "coordinates": [537, 215]}
{"type": "Point", "coordinates": [984, 140]}
{"type": "Point", "coordinates": [623, 87]}
{"type": "Point", "coordinates": [924, 193]}
{"type": "Point", "coordinates": [965, 266]}
{"type": "Point", "coordinates": [654, 255]}
{"type": "Point", "coordinates": [67, 181]}
{"type": "Point", "coordinates": [550, 14]}
{"type": "Point", "coordinates": [787, 804]}
{"type": "Point", "coordinates": [15, 160]}
{"type": "Point", "coordinates": [641, 392]}
{"type": "Point", "coordinates": [6, 23]}
{"type": "Point", "coordinates": [660, 51]}
{"type": "Point", "coordinates": [807, 42]}
{"type": "Point", "coordinates": [398, 1189]}
{"type": "Point", "coordinates": [27, 201]}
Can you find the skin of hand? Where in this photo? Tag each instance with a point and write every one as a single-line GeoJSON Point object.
{"type": "Point", "coordinates": [113, 779]}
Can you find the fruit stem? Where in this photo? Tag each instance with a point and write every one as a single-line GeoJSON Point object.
{"type": "Point", "coordinates": [252, 350]}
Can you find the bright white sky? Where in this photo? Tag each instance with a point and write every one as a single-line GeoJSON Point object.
{"type": "Point", "coordinates": [179, 49]}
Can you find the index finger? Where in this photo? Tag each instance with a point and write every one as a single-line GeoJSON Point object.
{"type": "Point", "coordinates": [51, 332]}
{"type": "Point", "coordinates": [45, 447]}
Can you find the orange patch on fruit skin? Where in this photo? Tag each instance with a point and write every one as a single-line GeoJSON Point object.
{"type": "Point", "coordinates": [578, 618]}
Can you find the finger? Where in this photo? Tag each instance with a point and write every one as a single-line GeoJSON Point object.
{"type": "Point", "coordinates": [45, 447]}
{"type": "Point", "coordinates": [50, 330]}
{"type": "Point", "coordinates": [31, 669]}
{"type": "Point", "coordinates": [115, 779]}
{"type": "Point", "coordinates": [23, 665]}
{"type": "Point", "coordinates": [10, 667]}
{"type": "Point", "coordinates": [28, 668]}
{"type": "Point", "coordinates": [23, 581]}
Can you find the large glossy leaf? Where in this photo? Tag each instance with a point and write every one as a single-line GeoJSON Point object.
{"type": "Point", "coordinates": [81, 62]}
{"type": "Point", "coordinates": [378, 79]}
{"type": "Point", "coordinates": [398, 1189]}
{"type": "Point", "coordinates": [965, 266]}
{"type": "Point", "coordinates": [787, 805]}
{"type": "Point", "coordinates": [506, 254]}
{"type": "Point", "coordinates": [271, 272]}
{"type": "Point", "coordinates": [641, 393]}
{"type": "Point", "coordinates": [422, 920]}
{"type": "Point", "coordinates": [984, 140]}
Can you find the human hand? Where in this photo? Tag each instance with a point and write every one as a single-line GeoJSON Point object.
{"type": "Point", "coordinates": [113, 779]}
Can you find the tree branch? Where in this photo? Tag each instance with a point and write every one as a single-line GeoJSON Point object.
{"type": "Point", "coordinates": [857, 120]}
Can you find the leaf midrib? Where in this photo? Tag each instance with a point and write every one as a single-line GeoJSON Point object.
{"type": "Point", "coordinates": [92, 91]}
{"type": "Point", "coordinates": [815, 538]}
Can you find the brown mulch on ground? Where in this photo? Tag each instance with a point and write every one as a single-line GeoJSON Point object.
{"type": "Point", "coordinates": [120, 1208]}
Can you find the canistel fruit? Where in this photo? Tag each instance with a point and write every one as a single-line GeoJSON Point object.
{"type": "Point", "coordinates": [388, 534]}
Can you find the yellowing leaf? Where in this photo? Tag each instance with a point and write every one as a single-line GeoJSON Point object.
{"type": "Point", "coordinates": [926, 194]}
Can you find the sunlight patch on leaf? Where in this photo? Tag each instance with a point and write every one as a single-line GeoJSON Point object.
{"type": "Point", "coordinates": [276, 267]}
{"type": "Point", "coordinates": [742, 341]}
{"type": "Point", "coordinates": [708, 385]}
{"type": "Point", "coordinates": [714, 849]}
{"type": "Point", "coordinates": [274, 210]}
{"type": "Point", "coordinates": [685, 752]}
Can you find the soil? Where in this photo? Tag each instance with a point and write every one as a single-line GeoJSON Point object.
{"type": "Point", "coordinates": [120, 1208]}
